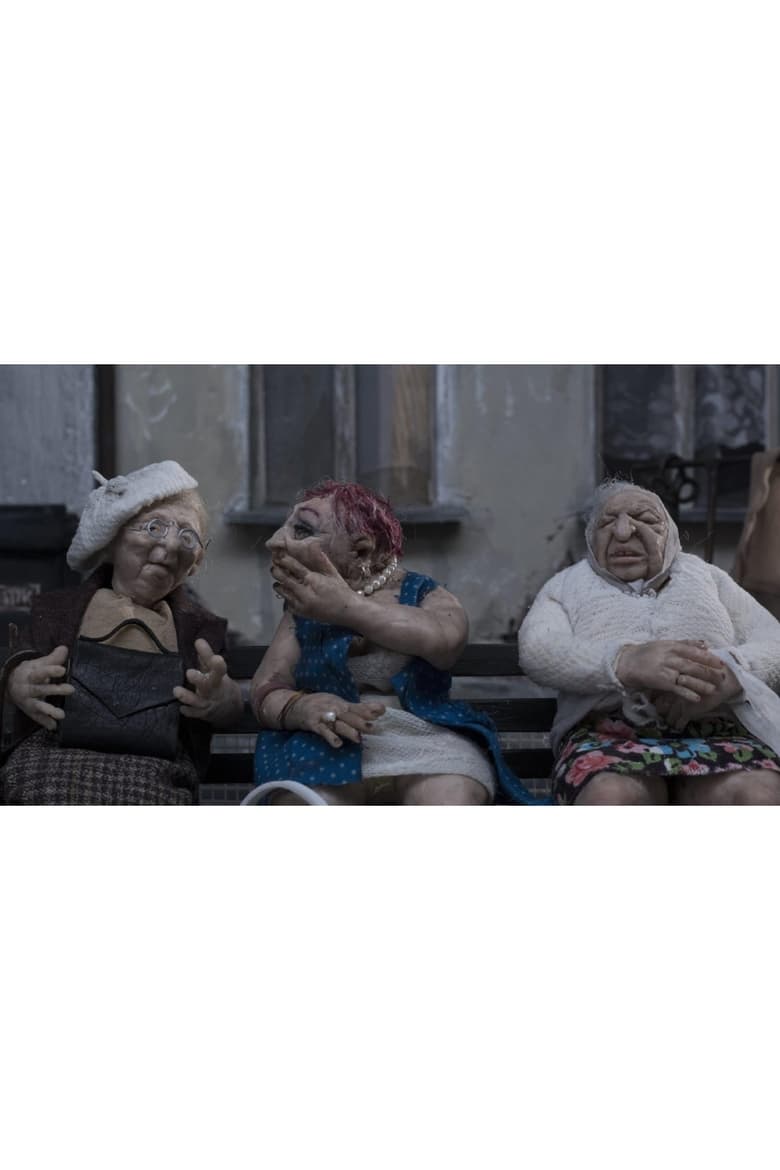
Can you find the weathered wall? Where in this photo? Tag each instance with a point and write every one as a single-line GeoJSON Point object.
{"type": "Point", "coordinates": [198, 415]}
{"type": "Point", "coordinates": [514, 444]}
{"type": "Point", "coordinates": [47, 423]}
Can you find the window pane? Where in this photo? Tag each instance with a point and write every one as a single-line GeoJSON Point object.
{"type": "Point", "coordinates": [730, 406]}
{"type": "Point", "coordinates": [299, 440]}
{"type": "Point", "coordinates": [394, 410]}
{"type": "Point", "coordinates": [702, 413]}
{"type": "Point", "coordinates": [640, 419]}
{"type": "Point", "coordinates": [731, 424]}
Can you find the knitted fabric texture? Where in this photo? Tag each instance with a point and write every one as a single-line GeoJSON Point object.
{"type": "Point", "coordinates": [114, 502]}
{"type": "Point", "coordinates": [400, 743]}
{"type": "Point", "coordinates": [421, 688]}
{"type": "Point", "coordinates": [575, 629]}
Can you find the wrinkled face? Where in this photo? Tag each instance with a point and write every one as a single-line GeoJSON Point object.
{"type": "Point", "coordinates": [147, 570]}
{"type": "Point", "coordinates": [311, 523]}
{"type": "Point", "coordinates": [630, 536]}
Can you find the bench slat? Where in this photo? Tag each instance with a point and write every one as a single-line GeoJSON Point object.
{"type": "Point", "coordinates": [231, 768]}
{"type": "Point", "coordinates": [518, 714]}
{"type": "Point", "coordinates": [533, 763]}
{"type": "Point", "coordinates": [484, 659]}
{"type": "Point", "coordinates": [480, 660]}
{"type": "Point", "coordinates": [237, 767]}
{"type": "Point", "coordinates": [521, 714]}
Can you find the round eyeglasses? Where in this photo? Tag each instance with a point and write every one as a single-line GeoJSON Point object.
{"type": "Point", "coordinates": [159, 529]}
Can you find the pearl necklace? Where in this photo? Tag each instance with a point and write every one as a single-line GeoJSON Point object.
{"type": "Point", "coordinates": [380, 581]}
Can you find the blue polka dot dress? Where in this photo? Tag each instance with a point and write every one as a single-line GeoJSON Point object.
{"type": "Point", "coordinates": [421, 688]}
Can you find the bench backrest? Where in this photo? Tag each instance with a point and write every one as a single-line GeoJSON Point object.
{"type": "Point", "coordinates": [523, 723]}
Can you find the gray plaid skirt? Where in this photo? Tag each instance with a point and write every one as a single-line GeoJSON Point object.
{"type": "Point", "coordinates": [38, 771]}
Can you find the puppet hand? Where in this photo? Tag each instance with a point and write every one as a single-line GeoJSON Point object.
{"type": "Point", "coordinates": [353, 720]}
{"type": "Point", "coordinates": [31, 684]}
{"type": "Point", "coordinates": [680, 668]}
{"type": "Point", "coordinates": [677, 712]}
{"type": "Point", "coordinates": [312, 587]}
{"type": "Point", "coordinates": [216, 697]}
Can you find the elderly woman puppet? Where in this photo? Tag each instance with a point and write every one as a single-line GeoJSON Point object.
{"type": "Point", "coordinates": [142, 535]}
{"type": "Point", "coordinates": [666, 668]}
{"type": "Point", "coordinates": [354, 689]}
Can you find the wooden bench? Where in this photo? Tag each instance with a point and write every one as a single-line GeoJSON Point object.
{"type": "Point", "coordinates": [523, 723]}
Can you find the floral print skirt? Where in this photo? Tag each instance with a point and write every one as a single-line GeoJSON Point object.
{"type": "Point", "coordinates": [609, 744]}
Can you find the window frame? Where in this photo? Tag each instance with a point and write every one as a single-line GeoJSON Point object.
{"type": "Point", "coordinates": [256, 512]}
{"type": "Point", "coordinates": [684, 384]}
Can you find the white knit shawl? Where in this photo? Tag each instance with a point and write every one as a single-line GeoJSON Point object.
{"type": "Point", "coordinates": [580, 620]}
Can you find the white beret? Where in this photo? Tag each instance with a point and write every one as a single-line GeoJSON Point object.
{"type": "Point", "coordinates": [116, 501]}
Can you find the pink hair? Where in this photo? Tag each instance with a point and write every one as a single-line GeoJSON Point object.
{"type": "Point", "coordinates": [361, 512]}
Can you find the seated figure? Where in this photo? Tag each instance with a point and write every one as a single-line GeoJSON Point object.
{"type": "Point", "coordinates": [140, 537]}
{"type": "Point", "coordinates": [354, 689]}
{"type": "Point", "coordinates": [666, 669]}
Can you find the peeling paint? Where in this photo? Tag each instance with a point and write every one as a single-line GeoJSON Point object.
{"type": "Point", "coordinates": [156, 418]}
{"type": "Point", "coordinates": [164, 387]}
{"type": "Point", "coordinates": [129, 401]}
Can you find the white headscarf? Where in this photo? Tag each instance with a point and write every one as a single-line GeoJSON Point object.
{"type": "Point", "coordinates": [672, 547]}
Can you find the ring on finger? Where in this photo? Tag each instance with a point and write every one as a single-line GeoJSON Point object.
{"type": "Point", "coordinates": [329, 717]}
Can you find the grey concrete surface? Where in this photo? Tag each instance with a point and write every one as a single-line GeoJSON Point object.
{"type": "Point", "coordinates": [47, 422]}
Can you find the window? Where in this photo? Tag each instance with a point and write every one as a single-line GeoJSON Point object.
{"type": "Point", "coordinates": [702, 422]}
{"type": "Point", "coordinates": [375, 424]}
{"type": "Point", "coordinates": [299, 412]}
{"type": "Point", "coordinates": [395, 431]}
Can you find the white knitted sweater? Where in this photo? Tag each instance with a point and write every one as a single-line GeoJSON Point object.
{"type": "Point", "coordinates": [578, 623]}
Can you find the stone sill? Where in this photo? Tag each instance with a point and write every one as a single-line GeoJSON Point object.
{"type": "Point", "coordinates": [429, 515]}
